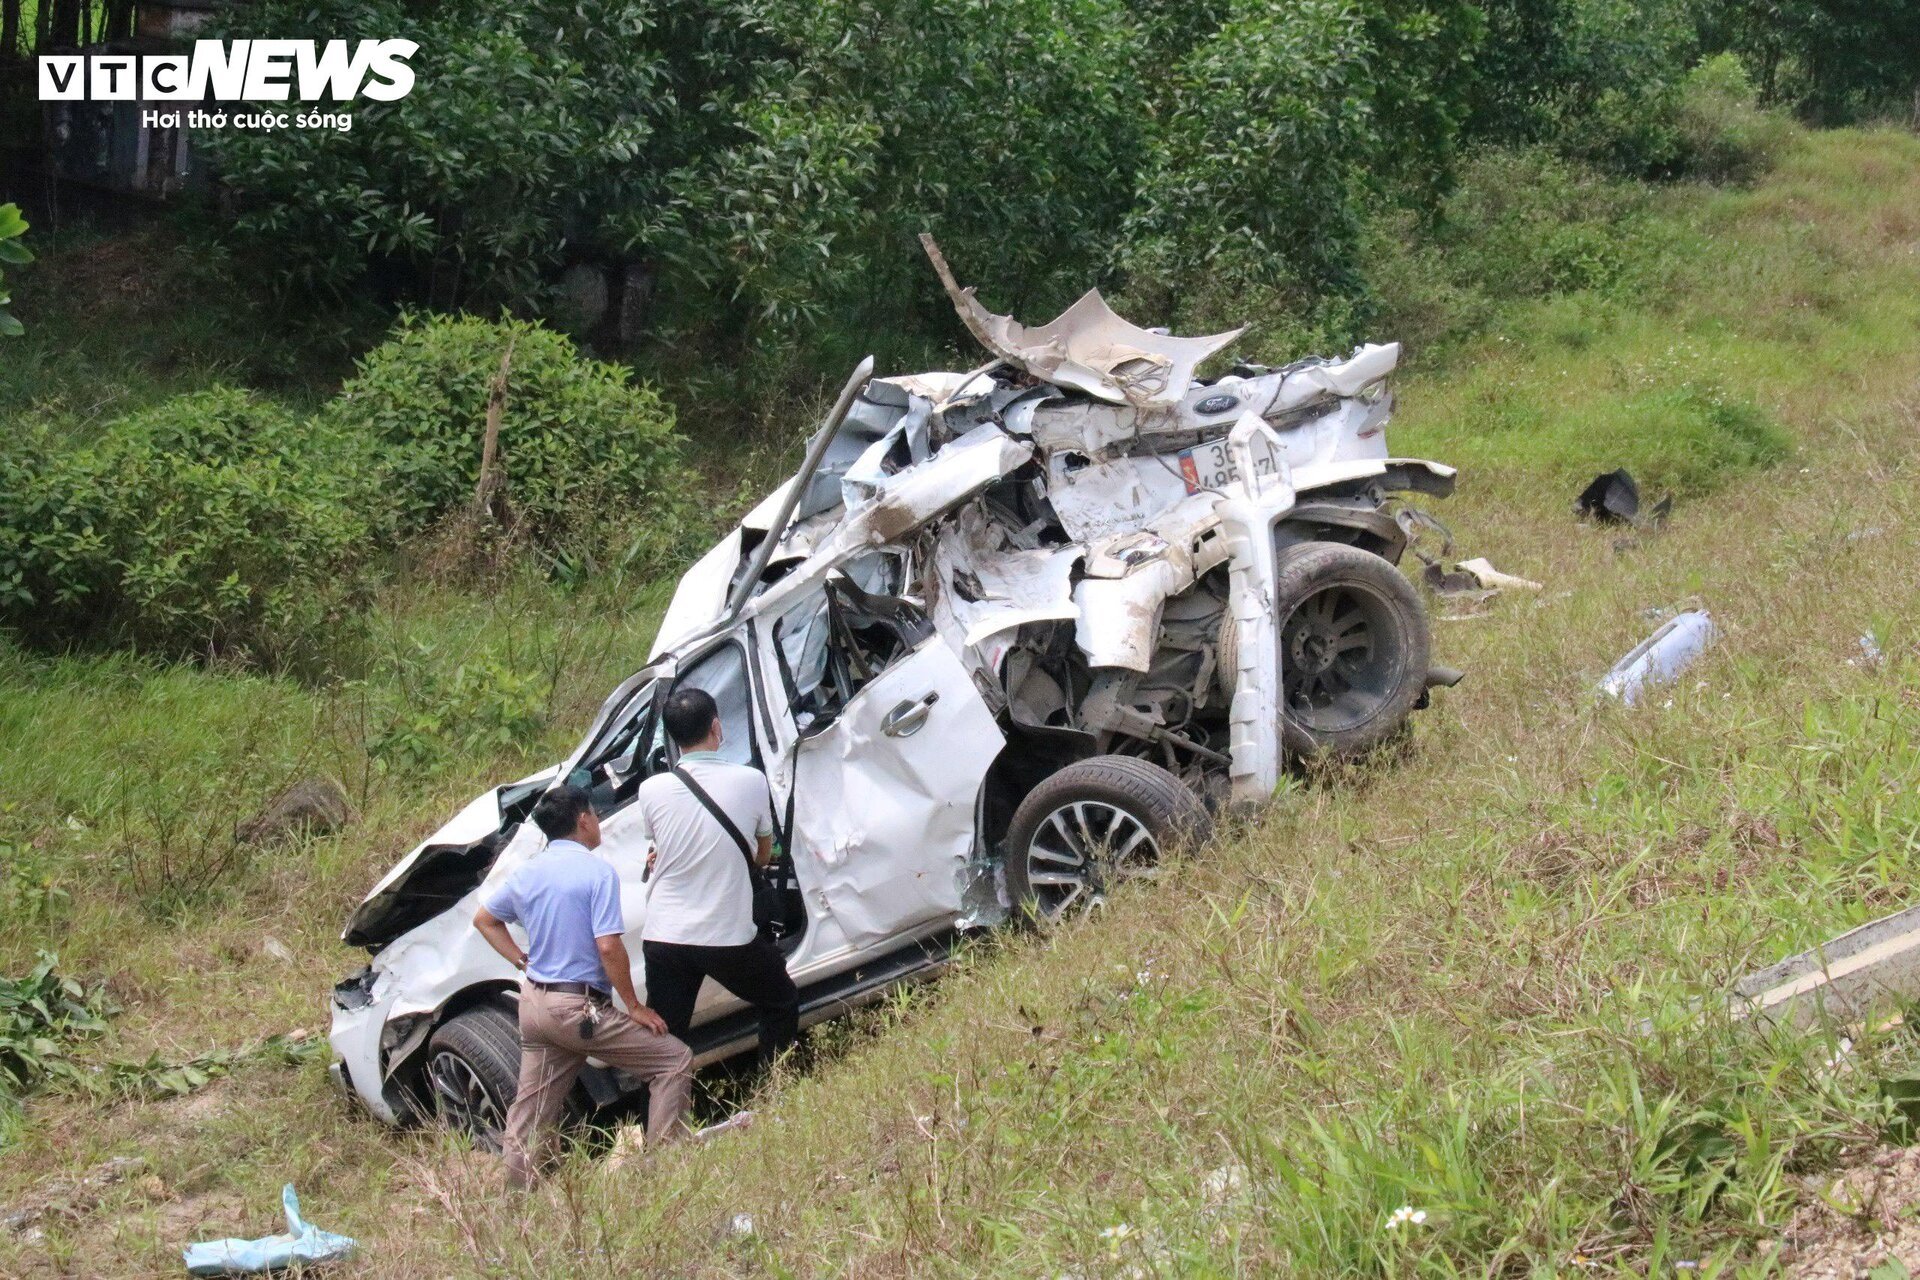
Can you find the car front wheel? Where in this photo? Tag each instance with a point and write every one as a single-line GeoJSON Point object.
{"type": "Point", "coordinates": [473, 1067]}
{"type": "Point", "coordinates": [1091, 825]}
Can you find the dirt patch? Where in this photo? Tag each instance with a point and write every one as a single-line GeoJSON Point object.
{"type": "Point", "coordinates": [1853, 1223]}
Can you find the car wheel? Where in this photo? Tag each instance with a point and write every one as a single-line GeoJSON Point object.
{"type": "Point", "coordinates": [1092, 824]}
{"type": "Point", "coordinates": [1353, 650]}
{"type": "Point", "coordinates": [473, 1066]}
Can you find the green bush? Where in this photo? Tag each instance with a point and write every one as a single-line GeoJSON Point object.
{"type": "Point", "coordinates": [213, 523]}
{"type": "Point", "coordinates": [578, 443]}
{"type": "Point", "coordinates": [1696, 435]}
{"type": "Point", "coordinates": [1724, 135]}
{"type": "Point", "coordinates": [41, 1016]}
{"type": "Point", "coordinates": [1521, 223]}
{"type": "Point", "coordinates": [484, 705]}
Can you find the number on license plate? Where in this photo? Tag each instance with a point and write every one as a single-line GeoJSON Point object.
{"type": "Point", "coordinates": [1211, 465]}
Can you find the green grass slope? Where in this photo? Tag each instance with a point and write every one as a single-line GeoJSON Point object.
{"type": "Point", "coordinates": [1461, 980]}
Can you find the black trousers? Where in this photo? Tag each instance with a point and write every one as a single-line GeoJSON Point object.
{"type": "Point", "coordinates": [755, 971]}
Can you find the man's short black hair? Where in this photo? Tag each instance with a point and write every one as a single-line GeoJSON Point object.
{"type": "Point", "coordinates": [688, 715]}
{"type": "Point", "coordinates": [558, 812]}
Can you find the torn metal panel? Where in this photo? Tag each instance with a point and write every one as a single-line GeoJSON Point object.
{"type": "Point", "coordinates": [1312, 380]}
{"type": "Point", "coordinates": [991, 586]}
{"type": "Point", "coordinates": [1247, 515]}
{"type": "Point", "coordinates": [905, 501]}
{"type": "Point", "coordinates": [1087, 347]}
{"type": "Point", "coordinates": [1875, 966]}
{"type": "Point", "coordinates": [1095, 500]}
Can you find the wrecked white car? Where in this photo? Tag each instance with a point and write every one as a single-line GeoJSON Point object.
{"type": "Point", "coordinates": [1004, 636]}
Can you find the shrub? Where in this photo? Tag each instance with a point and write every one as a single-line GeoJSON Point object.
{"type": "Point", "coordinates": [211, 523]}
{"type": "Point", "coordinates": [1696, 435]}
{"type": "Point", "coordinates": [483, 706]}
{"type": "Point", "coordinates": [1526, 223]}
{"type": "Point", "coordinates": [1522, 223]}
{"type": "Point", "coordinates": [1723, 133]}
{"type": "Point", "coordinates": [577, 438]}
{"type": "Point", "coordinates": [41, 1016]}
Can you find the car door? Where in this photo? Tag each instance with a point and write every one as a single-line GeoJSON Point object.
{"type": "Point", "coordinates": [893, 742]}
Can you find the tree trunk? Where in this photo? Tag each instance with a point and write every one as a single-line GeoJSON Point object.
{"type": "Point", "coordinates": [493, 478]}
{"type": "Point", "coordinates": [9, 28]}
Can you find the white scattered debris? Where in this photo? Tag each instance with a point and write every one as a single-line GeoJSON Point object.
{"type": "Point", "coordinates": [1838, 1058]}
{"type": "Point", "coordinates": [740, 1226]}
{"type": "Point", "coordinates": [1870, 652]}
{"type": "Point", "coordinates": [277, 949]}
{"type": "Point", "coordinates": [1494, 580]}
{"type": "Point", "coordinates": [1118, 1232]}
{"type": "Point", "coordinates": [1222, 1185]}
{"type": "Point", "coordinates": [629, 1144]}
{"type": "Point", "coordinates": [1661, 657]}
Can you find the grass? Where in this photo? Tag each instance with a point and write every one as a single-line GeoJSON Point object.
{"type": "Point", "coordinates": [1477, 979]}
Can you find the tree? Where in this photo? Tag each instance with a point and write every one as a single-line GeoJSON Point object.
{"type": "Point", "coordinates": [535, 133]}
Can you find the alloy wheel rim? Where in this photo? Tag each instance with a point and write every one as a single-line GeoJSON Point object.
{"type": "Point", "coordinates": [464, 1097]}
{"type": "Point", "coordinates": [1079, 849]}
{"type": "Point", "coordinates": [1338, 656]}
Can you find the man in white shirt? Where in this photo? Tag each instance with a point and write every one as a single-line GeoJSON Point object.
{"type": "Point", "coordinates": [700, 912]}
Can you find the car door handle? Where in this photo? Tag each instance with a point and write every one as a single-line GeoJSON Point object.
{"type": "Point", "coordinates": [905, 720]}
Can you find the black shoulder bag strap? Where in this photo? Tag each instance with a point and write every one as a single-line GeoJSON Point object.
{"type": "Point", "coordinates": [766, 903]}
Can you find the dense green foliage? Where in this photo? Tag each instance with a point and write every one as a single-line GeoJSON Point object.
{"type": "Point", "coordinates": [215, 522]}
{"type": "Point", "coordinates": [12, 227]}
{"type": "Point", "coordinates": [577, 440]}
{"type": "Point", "coordinates": [758, 169]}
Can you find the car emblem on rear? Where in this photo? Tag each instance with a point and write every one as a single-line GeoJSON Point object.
{"type": "Point", "coordinates": [1217, 404]}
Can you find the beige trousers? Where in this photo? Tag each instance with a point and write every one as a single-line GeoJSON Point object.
{"type": "Point", "coordinates": [552, 1051]}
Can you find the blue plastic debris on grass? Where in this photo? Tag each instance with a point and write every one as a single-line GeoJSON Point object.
{"type": "Point", "coordinates": [303, 1243]}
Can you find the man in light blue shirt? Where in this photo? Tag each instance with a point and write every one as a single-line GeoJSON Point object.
{"type": "Point", "coordinates": [568, 902]}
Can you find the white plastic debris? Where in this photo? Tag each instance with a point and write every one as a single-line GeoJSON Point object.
{"type": "Point", "coordinates": [1494, 580]}
{"type": "Point", "coordinates": [1661, 657]}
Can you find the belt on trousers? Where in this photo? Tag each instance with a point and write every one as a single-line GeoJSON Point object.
{"type": "Point", "coordinates": [571, 989]}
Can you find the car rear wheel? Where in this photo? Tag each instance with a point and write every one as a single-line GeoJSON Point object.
{"type": "Point", "coordinates": [1354, 646]}
{"type": "Point", "coordinates": [1089, 826]}
{"type": "Point", "coordinates": [473, 1066]}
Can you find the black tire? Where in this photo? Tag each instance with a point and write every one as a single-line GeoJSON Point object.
{"type": "Point", "coordinates": [473, 1071]}
{"type": "Point", "coordinates": [1081, 812]}
{"type": "Point", "coordinates": [1354, 648]}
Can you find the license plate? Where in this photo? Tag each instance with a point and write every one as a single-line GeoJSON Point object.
{"type": "Point", "coordinates": [1211, 465]}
